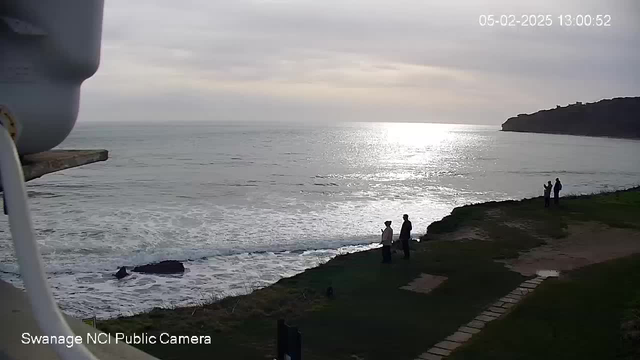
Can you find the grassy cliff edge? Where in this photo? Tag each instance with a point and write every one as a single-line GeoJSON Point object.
{"type": "Point", "coordinates": [370, 317]}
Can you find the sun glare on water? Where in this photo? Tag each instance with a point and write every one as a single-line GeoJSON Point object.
{"type": "Point", "coordinates": [402, 151]}
{"type": "Point", "coordinates": [419, 135]}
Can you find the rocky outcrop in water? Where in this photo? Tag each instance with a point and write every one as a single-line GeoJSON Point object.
{"type": "Point", "coordinates": [121, 273]}
{"type": "Point", "coordinates": [619, 117]}
{"type": "Point", "coordinates": [163, 267]}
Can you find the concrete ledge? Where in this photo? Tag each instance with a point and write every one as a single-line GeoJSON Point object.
{"type": "Point", "coordinates": [16, 315]}
{"type": "Point", "coordinates": [36, 165]}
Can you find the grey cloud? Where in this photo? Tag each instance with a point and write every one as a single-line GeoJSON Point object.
{"type": "Point", "coordinates": [379, 45]}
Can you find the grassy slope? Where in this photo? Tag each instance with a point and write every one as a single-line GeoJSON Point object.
{"type": "Point", "coordinates": [575, 318]}
{"type": "Point", "coordinates": [369, 316]}
{"type": "Point", "coordinates": [579, 316]}
{"type": "Point", "coordinates": [368, 308]}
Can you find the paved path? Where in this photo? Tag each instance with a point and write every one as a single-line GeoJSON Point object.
{"type": "Point", "coordinates": [493, 312]}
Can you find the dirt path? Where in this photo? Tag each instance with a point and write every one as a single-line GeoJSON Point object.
{"type": "Point", "coordinates": [587, 243]}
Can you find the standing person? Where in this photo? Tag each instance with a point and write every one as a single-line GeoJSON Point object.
{"type": "Point", "coordinates": [556, 191]}
{"type": "Point", "coordinates": [547, 194]}
{"type": "Point", "coordinates": [387, 239]}
{"type": "Point", "coordinates": [405, 235]}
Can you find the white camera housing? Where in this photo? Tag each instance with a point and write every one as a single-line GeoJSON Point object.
{"type": "Point", "coordinates": [47, 50]}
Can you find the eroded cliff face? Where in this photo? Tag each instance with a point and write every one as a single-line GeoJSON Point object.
{"type": "Point", "coordinates": [619, 117]}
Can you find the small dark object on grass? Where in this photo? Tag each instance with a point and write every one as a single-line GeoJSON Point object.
{"type": "Point", "coordinates": [631, 330]}
{"type": "Point", "coordinates": [330, 292]}
{"type": "Point", "coordinates": [163, 267]}
{"type": "Point", "coordinates": [121, 273]}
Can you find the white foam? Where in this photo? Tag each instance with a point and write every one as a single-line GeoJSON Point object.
{"type": "Point", "coordinates": [86, 294]}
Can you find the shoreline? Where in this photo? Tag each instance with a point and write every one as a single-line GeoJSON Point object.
{"type": "Point", "coordinates": [439, 226]}
{"type": "Point", "coordinates": [573, 134]}
{"type": "Point", "coordinates": [190, 296]}
{"type": "Point", "coordinates": [482, 250]}
{"type": "Point", "coordinates": [195, 286]}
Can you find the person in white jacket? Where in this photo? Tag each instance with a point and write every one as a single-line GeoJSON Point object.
{"type": "Point", "coordinates": [387, 239]}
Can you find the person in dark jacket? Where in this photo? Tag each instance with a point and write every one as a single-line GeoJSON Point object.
{"type": "Point", "coordinates": [556, 191]}
{"type": "Point", "coordinates": [405, 235]}
{"type": "Point", "coordinates": [547, 194]}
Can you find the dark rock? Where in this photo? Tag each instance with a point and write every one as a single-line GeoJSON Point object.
{"type": "Point", "coordinates": [612, 117]}
{"type": "Point", "coordinates": [121, 273]}
{"type": "Point", "coordinates": [163, 267]}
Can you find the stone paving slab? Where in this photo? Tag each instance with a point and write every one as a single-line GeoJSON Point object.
{"type": "Point", "coordinates": [476, 324]}
{"type": "Point", "coordinates": [528, 285]}
{"type": "Point", "coordinates": [508, 305]}
{"type": "Point", "coordinates": [515, 297]}
{"type": "Point", "coordinates": [508, 300]}
{"type": "Point", "coordinates": [498, 310]}
{"type": "Point", "coordinates": [424, 283]}
{"type": "Point", "coordinates": [519, 292]}
{"type": "Point", "coordinates": [469, 330]}
{"type": "Point", "coordinates": [459, 336]}
{"type": "Point", "coordinates": [427, 356]}
{"type": "Point", "coordinates": [448, 345]}
{"type": "Point", "coordinates": [439, 351]}
{"type": "Point", "coordinates": [489, 313]}
{"type": "Point", "coordinates": [498, 303]}
{"type": "Point", "coordinates": [485, 318]}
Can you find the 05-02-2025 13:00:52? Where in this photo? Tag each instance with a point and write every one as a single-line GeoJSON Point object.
{"type": "Point", "coordinates": [538, 20]}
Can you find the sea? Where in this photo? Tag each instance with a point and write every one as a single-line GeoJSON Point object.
{"type": "Point", "coordinates": [246, 204]}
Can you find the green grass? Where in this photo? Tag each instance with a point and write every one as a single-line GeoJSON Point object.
{"type": "Point", "coordinates": [620, 209]}
{"type": "Point", "coordinates": [368, 308]}
{"type": "Point", "coordinates": [370, 317]}
{"type": "Point", "coordinates": [578, 317]}
{"type": "Point", "coordinates": [465, 215]}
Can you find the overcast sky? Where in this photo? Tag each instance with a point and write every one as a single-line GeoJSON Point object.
{"type": "Point", "coordinates": [355, 60]}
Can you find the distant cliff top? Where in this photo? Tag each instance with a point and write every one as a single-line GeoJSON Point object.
{"type": "Point", "coordinates": [619, 117]}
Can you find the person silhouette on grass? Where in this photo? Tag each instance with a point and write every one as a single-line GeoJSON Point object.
{"type": "Point", "coordinates": [405, 235]}
{"type": "Point", "coordinates": [556, 191]}
{"type": "Point", "coordinates": [547, 194]}
{"type": "Point", "coordinates": [387, 239]}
